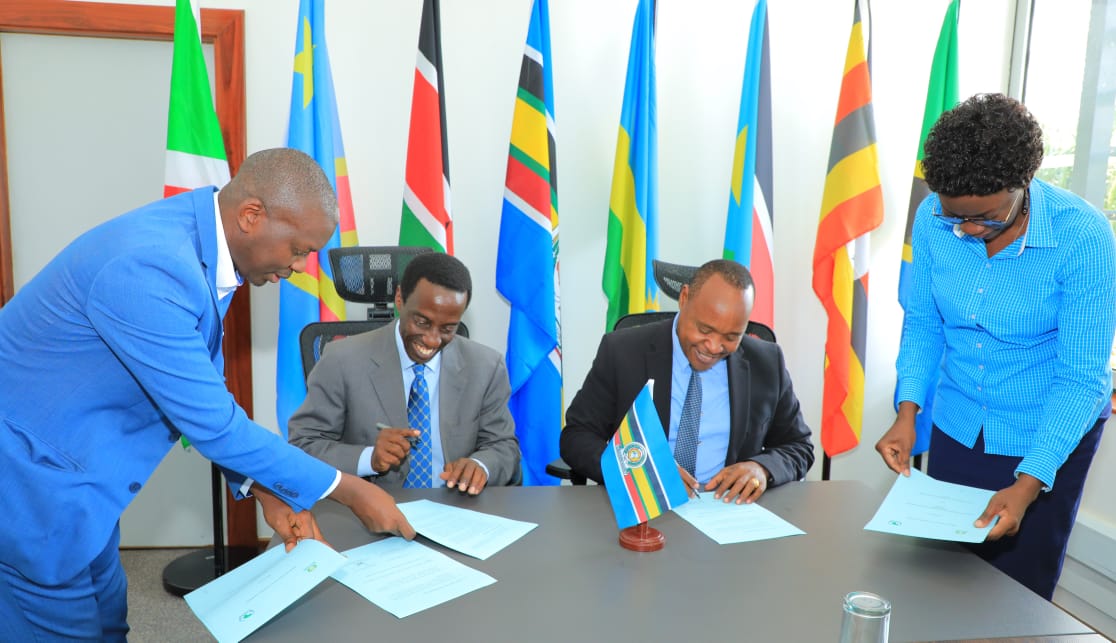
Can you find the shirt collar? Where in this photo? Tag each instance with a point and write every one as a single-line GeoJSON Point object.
{"type": "Point", "coordinates": [227, 279]}
{"type": "Point", "coordinates": [405, 360]}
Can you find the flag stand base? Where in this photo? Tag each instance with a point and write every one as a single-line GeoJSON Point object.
{"type": "Point", "coordinates": [642, 538]}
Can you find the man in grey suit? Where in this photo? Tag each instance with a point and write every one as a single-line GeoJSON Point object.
{"type": "Point", "coordinates": [363, 413]}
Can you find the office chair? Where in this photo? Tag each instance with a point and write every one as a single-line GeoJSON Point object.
{"type": "Point", "coordinates": [670, 277]}
{"type": "Point", "coordinates": [363, 275]}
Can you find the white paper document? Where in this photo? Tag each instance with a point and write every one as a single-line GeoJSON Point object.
{"type": "Point", "coordinates": [923, 507]}
{"type": "Point", "coordinates": [470, 532]}
{"type": "Point", "coordinates": [407, 577]}
{"type": "Point", "coordinates": [237, 603]}
{"type": "Point", "coordinates": [728, 522]}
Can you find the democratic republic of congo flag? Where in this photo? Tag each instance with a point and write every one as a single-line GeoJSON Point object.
{"type": "Point", "coordinates": [942, 94]}
{"type": "Point", "coordinates": [195, 150]}
{"type": "Point", "coordinates": [852, 206]}
{"type": "Point", "coordinates": [749, 232]}
{"type": "Point", "coordinates": [527, 259]}
{"type": "Point", "coordinates": [427, 219]}
{"type": "Point", "coordinates": [639, 471]}
{"type": "Point", "coordinates": [316, 130]}
{"type": "Point", "coordinates": [633, 214]}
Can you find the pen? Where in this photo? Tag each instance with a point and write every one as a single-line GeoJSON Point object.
{"type": "Point", "coordinates": [412, 439]}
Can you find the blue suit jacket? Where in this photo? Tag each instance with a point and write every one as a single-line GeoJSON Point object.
{"type": "Point", "coordinates": [108, 354]}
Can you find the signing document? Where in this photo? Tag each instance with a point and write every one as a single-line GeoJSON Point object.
{"type": "Point", "coordinates": [237, 603]}
{"type": "Point", "coordinates": [923, 507]}
{"type": "Point", "coordinates": [406, 577]}
{"type": "Point", "coordinates": [470, 532]}
{"type": "Point", "coordinates": [728, 522]}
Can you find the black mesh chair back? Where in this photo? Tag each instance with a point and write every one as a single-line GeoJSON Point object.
{"type": "Point", "coordinates": [370, 274]}
{"type": "Point", "coordinates": [671, 277]}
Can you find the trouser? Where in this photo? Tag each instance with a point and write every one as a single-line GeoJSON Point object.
{"type": "Point", "coordinates": [93, 606]}
{"type": "Point", "coordinates": [1034, 555]}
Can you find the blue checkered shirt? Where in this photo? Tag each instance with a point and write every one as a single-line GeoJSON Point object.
{"type": "Point", "coordinates": [1026, 334]}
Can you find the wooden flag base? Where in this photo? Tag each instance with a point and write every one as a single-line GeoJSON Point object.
{"type": "Point", "coordinates": [642, 538]}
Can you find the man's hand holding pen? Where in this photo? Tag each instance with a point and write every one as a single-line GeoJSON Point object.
{"type": "Point", "coordinates": [392, 446]}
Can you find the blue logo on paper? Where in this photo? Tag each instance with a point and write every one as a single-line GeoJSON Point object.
{"type": "Point", "coordinates": [247, 615]}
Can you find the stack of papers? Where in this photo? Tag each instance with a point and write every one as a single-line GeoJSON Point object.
{"type": "Point", "coordinates": [923, 507]}
{"type": "Point", "coordinates": [399, 576]}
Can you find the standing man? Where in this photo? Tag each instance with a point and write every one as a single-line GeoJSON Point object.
{"type": "Point", "coordinates": [111, 353]}
{"type": "Point", "coordinates": [370, 382]}
{"type": "Point", "coordinates": [1013, 305]}
{"type": "Point", "coordinates": [742, 431]}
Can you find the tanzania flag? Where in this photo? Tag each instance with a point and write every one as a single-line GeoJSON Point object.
{"type": "Point", "coordinates": [852, 206]}
{"type": "Point", "coordinates": [195, 151]}
{"type": "Point", "coordinates": [639, 471]}
{"type": "Point", "coordinates": [315, 129]}
{"type": "Point", "coordinates": [633, 213]}
{"type": "Point", "coordinates": [426, 195]}
{"type": "Point", "coordinates": [527, 259]}
{"type": "Point", "coordinates": [749, 234]}
{"type": "Point", "coordinates": [941, 95]}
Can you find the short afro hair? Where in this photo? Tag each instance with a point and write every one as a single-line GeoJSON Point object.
{"type": "Point", "coordinates": [986, 144]}
{"type": "Point", "coordinates": [439, 269]}
{"type": "Point", "coordinates": [734, 274]}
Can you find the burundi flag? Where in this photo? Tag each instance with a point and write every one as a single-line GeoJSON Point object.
{"type": "Point", "coordinates": [527, 259]}
{"type": "Point", "coordinates": [633, 213]}
{"type": "Point", "coordinates": [942, 94]}
{"type": "Point", "coordinates": [315, 129]}
{"type": "Point", "coordinates": [195, 150]}
{"type": "Point", "coordinates": [749, 233]}
{"type": "Point", "coordinates": [852, 206]}
{"type": "Point", "coordinates": [639, 471]}
{"type": "Point", "coordinates": [426, 217]}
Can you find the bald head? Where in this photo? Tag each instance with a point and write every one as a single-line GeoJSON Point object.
{"type": "Point", "coordinates": [278, 209]}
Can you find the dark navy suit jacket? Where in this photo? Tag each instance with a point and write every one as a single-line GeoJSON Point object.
{"type": "Point", "coordinates": [766, 424]}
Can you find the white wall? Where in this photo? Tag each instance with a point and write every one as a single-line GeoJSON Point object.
{"type": "Point", "coordinates": [701, 49]}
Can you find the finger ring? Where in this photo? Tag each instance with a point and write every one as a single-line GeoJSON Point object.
{"type": "Point", "coordinates": [755, 482]}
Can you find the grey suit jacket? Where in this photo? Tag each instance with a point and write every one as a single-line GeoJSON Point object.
{"type": "Point", "coordinates": [359, 382]}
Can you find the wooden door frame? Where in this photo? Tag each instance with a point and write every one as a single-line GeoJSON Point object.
{"type": "Point", "coordinates": [225, 29]}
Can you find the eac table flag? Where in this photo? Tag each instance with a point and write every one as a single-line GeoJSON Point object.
{"type": "Point", "coordinates": [639, 471]}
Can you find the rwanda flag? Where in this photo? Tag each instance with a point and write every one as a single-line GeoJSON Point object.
{"type": "Point", "coordinates": [633, 212]}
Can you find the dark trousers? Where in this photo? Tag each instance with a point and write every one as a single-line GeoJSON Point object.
{"type": "Point", "coordinates": [1034, 555]}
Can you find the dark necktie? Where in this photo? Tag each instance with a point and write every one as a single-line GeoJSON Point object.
{"type": "Point", "coordinates": [685, 446]}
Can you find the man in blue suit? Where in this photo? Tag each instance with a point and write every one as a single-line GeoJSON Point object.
{"type": "Point", "coordinates": [111, 353]}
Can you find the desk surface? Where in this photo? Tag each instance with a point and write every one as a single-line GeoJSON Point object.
{"type": "Point", "coordinates": [569, 579]}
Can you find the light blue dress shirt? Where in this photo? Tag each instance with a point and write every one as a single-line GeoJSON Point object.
{"type": "Point", "coordinates": [433, 369]}
{"type": "Point", "coordinates": [713, 432]}
{"type": "Point", "coordinates": [1026, 334]}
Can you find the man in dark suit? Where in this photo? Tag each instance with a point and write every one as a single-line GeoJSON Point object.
{"type": "Point", "coordinates": [743, 431]}
{"type": "Point", "coordinates": [363, 386]}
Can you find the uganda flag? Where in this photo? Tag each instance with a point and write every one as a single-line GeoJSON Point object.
{"type": "Point", "coordinates": [852, 206]}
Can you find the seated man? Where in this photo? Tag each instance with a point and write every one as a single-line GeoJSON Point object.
{"type": "Point", "coordinates": [412, 403]}
{"type": "Point", "coordinates": [725, 399]}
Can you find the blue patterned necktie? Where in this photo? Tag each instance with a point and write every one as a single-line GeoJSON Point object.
{"type": "Point", "coordinates": [685, 446]}
{"type": "Point", "coordinates": [418, 417]}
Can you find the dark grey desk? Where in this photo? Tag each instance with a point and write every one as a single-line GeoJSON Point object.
{"type": "Point", "coordinates": [569, 580]}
